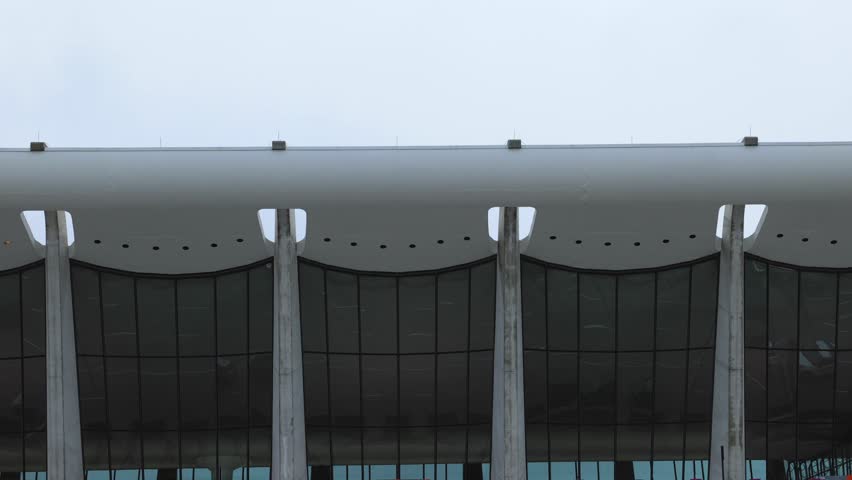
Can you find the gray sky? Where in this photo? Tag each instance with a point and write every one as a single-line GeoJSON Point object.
{"type": "Point", "coordinates": [343, 72]}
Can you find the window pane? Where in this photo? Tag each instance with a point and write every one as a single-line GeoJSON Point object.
{"type": "Point", "coordinates": [118, 313]}
{"type": "Point", "coordinates": [342, 312]}
{"type": "Point", "coordinates": [87, 312]}
{"type": "Point", "coordinates": [817, 315]}
{"type": "Point", "coordinates": [597, 388]}
{"type": "Point", "coordinates": [379, 390]}
{"type": "Point", "coordinates": [122, 380]}
{"type": "Point", "coordinates": [231, 313]}
{"type": "Point", "coordinates": [562, 309]}
{"type": "Point", "coordinates": [318, 446]}
{"type": "Point", "coordinates": [452, 389]}
{"type": "Point", "coordinates": [636, 312]}
{"type": "Point", "coordinates": [816, 385]}
{"type": "Point", "coordinates": [380, 448]}
{"type": "Point", "coordinates": [260, 451]}
{"type": "Point", "coordinates": [316, 388]}
{"type": "Point", "coordinates": [233, 391]}
{"type": "Point", "coordinates": [482, 303]}
{"type": "Point", "coordinates": [634, 443]}
{"type": "Point", "coordinates": [668, 443]}
{"type": "Point", "coordinates": [597, 443]}
{"type": "Point", "coordinates": [198, 393]}
{"type": "Point", "coordinates": [536, 442]}
{"type": "Point", "coordinates": [672, 307]}
{"type": "Point", "coordinates": [159, 394]}
{"type": "Point", "coordinates": [196, 316]}
{"type": "Point", "coordinates": [10, 390]}
{"type": "Point", "coordinates": [345, 390]}
{"type": "Point", "coordinates": [232, 449]}
{"type": "Point", "coordinates": [535, 386]}
{"type": "Point", "coordinates": [755, 303]}
{"type": "Point", "coordinates": [705, 282]}
{"type": "Point", "coordinates": [417, 390]}
{"type": "Point", "coordinates": [260, 386]}
{"type": "Point", "coordinates": [783, 307]}
{"type": "Point", "coordinates": [32, 300]}
{"type": "Point", "coordinates": [843, 404]}
{"type": "Point", "coordinates": [562, 382]}
{"type": "Point", "coordinates": [95, 450]}
{"type": "Point", "coordinates": [597, 312]}
{"type": "Point", "coordinates": [564, 443]}
{"type": "Point", "coordinates": [453, 311]}
{"type": "Point", "coordinates": [125, 450]}
{"type": "Point", "coordinates": [480, 379]}
{"type": "Point", "coordinates": [451, 444]}
{"type": "Point", "coordinates": [783, 367]}
{"type": "Point", "coordinates": [35, 452]}
{"type": "Point", "coordinates": [534, 305]}
{"type": "Point", "coordinates": [35, 394]}
{"type": "Point", "coordinates": [312, 307]}
{"type": "Point", "coordinates": [417, 314]}
{"type": "Point", "coordinates": [844, 315]}
{"type": "Point", "coordinates": [156, 304]}
{"type": "Point", "coordinates": [669, 392]}
{"type": "Point", "coordinates": [378, 314]}
{"type": "Point", "coordinates": [755, 384]}
{"type": "Point", "coordinates": [346, 446]}
{"type": "Point", "coordinates": [635, 387]}
{"type": "Point", "coordinates": [782, 442]}
{"type": "Point", "coordinates": [197, 450]}
{"type": "Point", "coordinates": [417, 446]}
{"type": "Point", "coordinates": [699, 386]}
{"type": "Point", "coordinates": [161, 450]}
{"type": "Point", "coordinates": [260, 308]}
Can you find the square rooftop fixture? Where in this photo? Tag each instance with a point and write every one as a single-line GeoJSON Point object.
{"type": "Point", "coordinates": [279, 145]}
{"type": "Point", "coordinates": [750, 141]}
{"type": "Point", "coordinates": [514, 144]}
{"type": "Point", "coordinates": [38, 146]}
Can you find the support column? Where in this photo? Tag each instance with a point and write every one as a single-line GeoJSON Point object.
{"type": "Point", "coordinates": [508, 433]}
{"type": "Point", "coordinates": [64, 440]}
{"type": "Point", "coordinates": [289, 458]}
{"type": "Point", "coordinates": [728, 430]}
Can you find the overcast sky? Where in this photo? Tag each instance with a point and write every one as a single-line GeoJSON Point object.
{"type": "Point", "coordinates": [422, 72]}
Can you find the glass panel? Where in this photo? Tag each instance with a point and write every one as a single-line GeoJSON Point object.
{"type": "Point", "coordinates": [597, 443]}
{"type": "Point", "coordinates": [260, 308]}
{"type": "Point", "coordinates": [597, 312]}
{"type": "Point", "coordinates": [35, 394]}
{"type": "Point", "coordinates": [480, 378]}
{"type": "Point", "coordinates": [122, 381]}
{"type": "Point", "coordinates": [561, 309]}
{"type": "Point", "coordinates": [346, 446]}
{"type": "Point", "coordinates": [479, 444]}
{"type": "Point", "coordinates": [636, 312]}
{"type": "Point", "coordinates": [231, 313]}
{"type": "Point", "coordinates": [11, 453]}
{"type": "Point", "coordinates": [125, 450]}
{"type": "Point", "coordinates": [260, 450]}
{"type": "Point", "coordinates": [755, 303]}
{"type": "Point", "coordinates": [702, 321]}
{"type": "Point", "coordinates": [312, 307]}
{"type": "Point", "coordinates": [378, 314]}
{"type": "Point", "coordinates": [197, 450]}
{"type": "Point", "coordinates": [381, 448]}
{"type": "Point", "coordinates": [196, 316]}
{"type": "Point", "coordinates": [783, 367]}
{"type": "Point", "coordinates": [342, 312]}
{"type": "Point", "coordinates": [597, 388]}
{"type": "Point", "coordinates": [564, 443]}
{"type": "Point", "coordinates": [260, 389]}
{"type": "Point", "coordinates": [482, 303]}
{"type": "Point", "coordinates": [159, 394]}
{"type": "Point", "coordinates": [453, 311]}
{"type": "Point", "coordinates": [319, 447]}
{"type": "Point", "coordinates": [451, 444]}
{"type": "Point", "coordinates": [843, 402]}
{"type": "Point", "coordinates": [156, 304]}
{"type": "Point", "coordinates": [783, 307]}
{"type": "Point", "coordinates": [95, 450]}
{"type": "Point", "coordinates": [635, 387]}
{"type": "Point", "coordinates": [536, 442]}
{"type": "Point", "coordinates": [669, 391]}
{"type": "Point", "coordinates": [673, 288]}
{"type": "Point", "coordinates": [844, 314]}
{"type": "Point", "coordinates": [782, 442]}
{"type": "Point", "coordinates": [379, 390]}
{"type": "Point", "coordinates": [32, 310]}
{"type": "Point", "coordinates": [232, 449]}
{"type": "Point", "coordinates": [562, 384]}
{"type": "Point", "coordinates": [417, 314]}
{"type": "Point", "coordinates": [534, 305]}
{"type": "Point", "coordinates": [10, 391]}
{"type": "Point", "coordinates": [417, 390]}
{"type": "Point", "coordinates": [634, 443]}
{"type": "Point", "coordinates": [35, 452]}
{"type": "Point", "coordinates": [119, 321]}
{"type": "Point", "coordinates": [161, 450]}
{"type": "Point", "coordinates": [416, 446]}
{"type": "Point", "coordinates": [198, 393]}
{"type": "Point", "coordinates": [316, 388]}
{"type": "Point", "coordinates": [816, 386]}
{"type": "Point", "coordinates": [755, 384]}
{"type": "Point", "coordinates": [668, 444]}
{"type": "Point", "coordinates": [699, 386]}
{"type": "Point", "coordinates": [345, 390]}
{"type": "Point", "coordinates": [452, 394]}
{"type": "Point", "coordinates": [535, 386]}
{"type": "Point", "coordinates": [232, 384]}
{"type": "Point", "coordinates": [817, 315]}
{"type": "Point", "coordinates": [87, 312]}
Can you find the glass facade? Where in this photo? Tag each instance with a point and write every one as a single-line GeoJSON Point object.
{"type": "Point", "coordinates": [23, 384]}
{"type": "Point", "coordinates": [175, 374]}
{"type": "Point", "coordinates": [618, 371]}
{"type": "Point", "coordinates": [398, 372]}
{"type": "Point", "coordinates": [798, 338]}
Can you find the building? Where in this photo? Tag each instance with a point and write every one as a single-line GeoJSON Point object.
{"type": "Point", "coordinates": [620, 339]}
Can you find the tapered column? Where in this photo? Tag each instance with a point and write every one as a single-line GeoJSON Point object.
{"type": "Point", "coordinates": [508, 442]}
{"type": "Point", "coordinates": [728, 430]}
{"type": "Point", "coordinates": [288, 414]}
{"type": "Point", "coordinates": [64, 452]}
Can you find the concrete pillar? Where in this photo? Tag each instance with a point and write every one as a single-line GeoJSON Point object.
{"type": "Point", "coordinates": [728, 430]}
{"type": "Point", "coordinates": [64, 441]}
{"type": "Point", "coordinates": [289, 457]}
{"type": "Point", "coordinates": [508, 437]}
